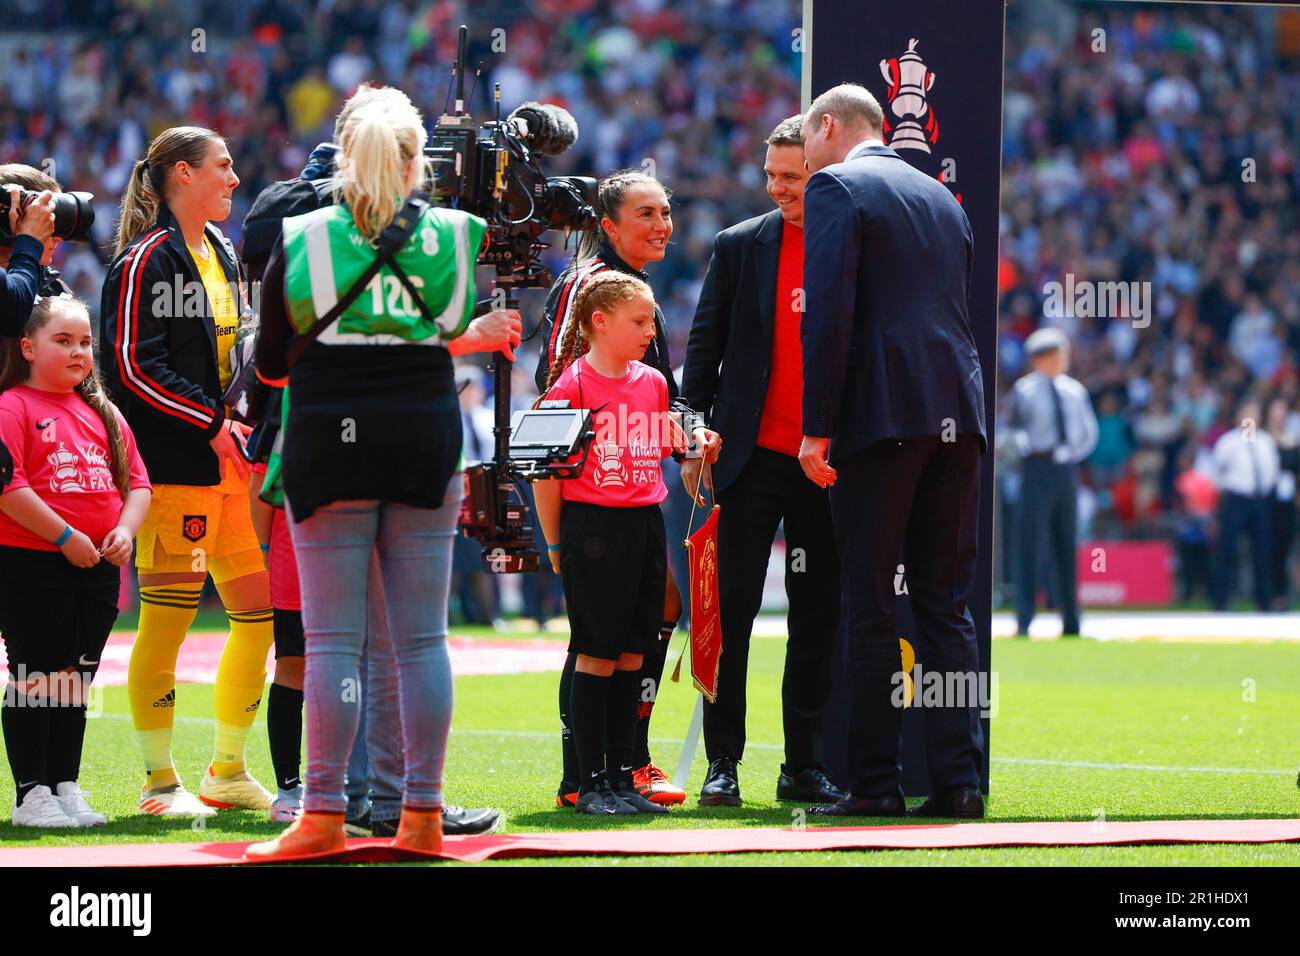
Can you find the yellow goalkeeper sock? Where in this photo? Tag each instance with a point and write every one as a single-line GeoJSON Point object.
{"type": "Point", "coordinates": [241, 677]}
{"type": "Point", "coordinates": [166, 613]}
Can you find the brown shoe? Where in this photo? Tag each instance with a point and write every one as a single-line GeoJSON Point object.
{"type": "Point", "coordinates": [311, 835]}
{"type": "Point", "coordinates": [419, 830]}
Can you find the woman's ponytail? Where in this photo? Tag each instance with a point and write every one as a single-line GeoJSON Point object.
{"type": "Point", "coordinates": [378, 142]}
{"type": "Point", "coordinates": [147, 185]}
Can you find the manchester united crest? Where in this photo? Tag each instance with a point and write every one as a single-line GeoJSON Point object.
{"type": "Point", "coordinates": [194, 527]}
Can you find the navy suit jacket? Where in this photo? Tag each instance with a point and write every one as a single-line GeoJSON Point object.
{"type": "Point", "coordinates": [887, 344]}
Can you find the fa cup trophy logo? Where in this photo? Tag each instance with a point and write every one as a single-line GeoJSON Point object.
{"type": "Point", "coordinates": [909, 83]}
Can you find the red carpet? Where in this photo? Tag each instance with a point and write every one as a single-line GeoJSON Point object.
{"type": "Point", "coordinates": [730, 840]}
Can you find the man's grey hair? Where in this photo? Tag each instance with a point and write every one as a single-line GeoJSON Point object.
{"type": "Point", "coordinates": [788, 132]}
{"type": "Point", "coordinates": [852, 104]}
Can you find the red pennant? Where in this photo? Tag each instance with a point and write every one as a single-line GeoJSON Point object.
{"type": "Point", "coordinates": [706, 625]}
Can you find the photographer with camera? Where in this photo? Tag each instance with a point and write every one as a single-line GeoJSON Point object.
{"type": "Point", "coordinates": [32, 229]}
{"type": "Point", "coordinates": [171, 309]}
{"type": "Point", "coordinates": [33, 182]}
{"type": "Point", "coordinates": [364, 304]}
{"type": "Point", "coordinates": [634, 226]}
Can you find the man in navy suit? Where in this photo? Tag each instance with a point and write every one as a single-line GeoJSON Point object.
{"type": "Point", "coordinates": [893, 395]}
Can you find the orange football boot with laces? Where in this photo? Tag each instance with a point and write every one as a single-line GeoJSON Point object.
{"type": "Point", "coordinates": [653, 784]}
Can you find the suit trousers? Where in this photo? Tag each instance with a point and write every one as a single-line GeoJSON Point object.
{"type": "Point", "coordinates": [1047, 522]}
{"type": "Point", "coordinates": [915, 500]}
{"type": "Point", "coordinates": [770, 489]}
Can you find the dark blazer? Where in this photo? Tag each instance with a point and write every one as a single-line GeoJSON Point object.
{"type": "Point", "coordinates": [887, 344]}
{"type": "Point", "coordinates": [159, 355]}
{"type": "Point", "coordinates": [733, 328]}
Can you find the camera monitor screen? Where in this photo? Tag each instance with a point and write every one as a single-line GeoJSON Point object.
{"type": "Point", "coordinates": [557, 428]}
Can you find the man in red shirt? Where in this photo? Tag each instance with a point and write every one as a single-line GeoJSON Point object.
{"type": "Point", "coordinates": [744, 371]}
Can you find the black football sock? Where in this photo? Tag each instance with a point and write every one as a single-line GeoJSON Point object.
{"type": "Point", "coordinates": [26, 733]}
{"type": "Point", "coordinates": [569, 753]}
{"type": "Point", "coordinates": [621, 727]}
{"type": "Point", "coordinates": [67, 734]}
{"type": "Point", "coordinates": [652, 669]}
{"type": "Point", "coordinates": [284, 732]}
{"type": "Point", "coordinates": [587, 709]}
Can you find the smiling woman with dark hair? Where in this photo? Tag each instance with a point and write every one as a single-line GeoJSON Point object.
{"type": "Point", "coordinates": [635, 224]}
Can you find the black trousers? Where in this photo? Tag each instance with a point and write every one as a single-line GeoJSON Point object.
{"type": "Point", "coordinates": [916, 499]}
{"type": "Point", "coordinates": [1046, 530]}
{"type": "Point", "coordinates": [1240, 514]}
{"type": "Point", "coordinates": [773, 488]}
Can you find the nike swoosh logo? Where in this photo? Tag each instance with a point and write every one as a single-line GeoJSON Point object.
{"type": "Point", "coordinates": [85, 663]}
{"type": "Point", "coordinates": [27, 784]}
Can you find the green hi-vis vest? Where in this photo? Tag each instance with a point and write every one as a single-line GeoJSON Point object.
{"type": "Point", "coordinates": [325, 255]}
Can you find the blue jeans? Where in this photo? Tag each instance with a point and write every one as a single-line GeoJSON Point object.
{"type": "Point", "coordinates": [334, 548]}
{"type": "Point", "coordinates": [382, 718]}
{"type": "Point", "coordinates": [374, 775]}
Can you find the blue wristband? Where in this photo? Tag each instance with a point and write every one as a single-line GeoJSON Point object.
{"type": "Point", "coordinates": [552, 547]}
{"type": "Point", "coordinates": [62, 539]}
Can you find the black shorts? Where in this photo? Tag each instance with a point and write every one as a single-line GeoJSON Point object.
{"type": "Point", "coordinates": [289, 638]}
{"type": "Point", "coordinates": [54, 615]}
{"type": "Point", "coordinates": [614, 564]}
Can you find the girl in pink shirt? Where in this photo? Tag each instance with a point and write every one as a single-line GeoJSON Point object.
{"type": "Point", "coordinates": [67, 519]}
{"type": "Point", "coordinates": [605, 532]}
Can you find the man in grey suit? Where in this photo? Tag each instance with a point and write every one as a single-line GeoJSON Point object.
{"type": "Point", "coordinates": [894, 393]}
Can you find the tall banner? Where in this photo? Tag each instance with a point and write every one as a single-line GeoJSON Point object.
{"type": "Point", "coordinates": [936, 68]}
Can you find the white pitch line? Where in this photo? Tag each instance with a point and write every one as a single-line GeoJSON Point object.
{"type": "Point", "coordinates": [1029, 761]}
{"type": "Point", "coordinates": [1135, 766]}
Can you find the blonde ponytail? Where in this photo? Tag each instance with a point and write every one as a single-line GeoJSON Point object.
{"type": "Point", "coordinates": [378, 141]}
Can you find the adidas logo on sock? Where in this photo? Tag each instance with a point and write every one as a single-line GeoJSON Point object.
{"type": "Point", "coordinates": [253, 706]}
{"type": "Point", "coordinates": [167, 700]}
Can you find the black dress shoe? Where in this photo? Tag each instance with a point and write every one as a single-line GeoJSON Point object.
{"type": "Point", "coordinates": [808, 785]}
{"type": "Point", "coordinates": [851, 806]}
{"type": "Point", "coordinates": [964, 803]}
{"type": "Point", "coordinates": [721, 786]}
{"type": "Point", "coordinates": [468, 821]}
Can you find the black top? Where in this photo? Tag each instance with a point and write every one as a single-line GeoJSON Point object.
{"type": "Point", "coordinates": [365, 421]}
{"type": "Point", "coordinates": [158, 351]}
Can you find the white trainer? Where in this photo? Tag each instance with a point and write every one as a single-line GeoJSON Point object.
{"type": "Point", "coordinates": [41, 809]}
{"type": "Point", "coordinates": [239, 791]}
{"type": "Point", "coordinates": [73, 801]}
{"type": "Point", "coordinates": [173, 801]}
{"type": "Point", "coordinates": [287, 806]}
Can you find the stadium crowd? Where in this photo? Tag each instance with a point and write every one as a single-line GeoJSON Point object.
{"type": "Point", "coordinates": [1160, 150]}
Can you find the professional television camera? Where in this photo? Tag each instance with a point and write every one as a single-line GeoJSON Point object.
{"type": "Point", "coordinates": [492, 172]}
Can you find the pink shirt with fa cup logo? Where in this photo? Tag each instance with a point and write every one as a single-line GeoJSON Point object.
{"type": "Point", "coordinates": [630, 419]}
{"type": "Point", "coordinates": [60, 451]}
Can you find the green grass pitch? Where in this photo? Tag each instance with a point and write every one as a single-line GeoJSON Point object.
{"type": "Point", "coordinates": [1083, 729]}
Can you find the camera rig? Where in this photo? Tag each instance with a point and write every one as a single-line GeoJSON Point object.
{"type": "Point", "coordinates": [492, 171]}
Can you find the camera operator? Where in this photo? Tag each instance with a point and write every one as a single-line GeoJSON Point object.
{"type": "Point", "coordinates": [635, 224]}
{"type": "Point", "coordinates": [374, 768]}
{"type": "Point", "coordinates": [371, 449]}
{"type": "Point", "coordinates": [20, 264]}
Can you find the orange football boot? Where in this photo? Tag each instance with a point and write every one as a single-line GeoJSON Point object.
{"type": "Point", "coordinates": [653, 784]}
